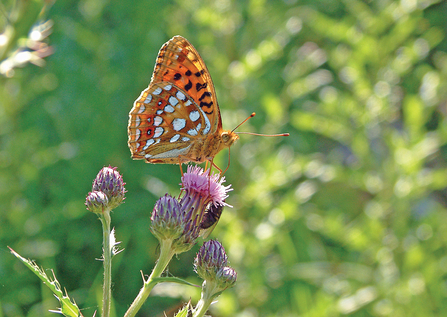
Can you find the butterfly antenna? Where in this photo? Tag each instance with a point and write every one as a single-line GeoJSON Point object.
{"type": "Point", "coordinates": [251, 116]}
{"type": "Point", "coordinates": [259, 134]}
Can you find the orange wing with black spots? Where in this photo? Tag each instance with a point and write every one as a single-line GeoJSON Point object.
{"type": "Point", "coordinates": [179, 62]}
{"type": "Point", "coordinates": [177, 118]}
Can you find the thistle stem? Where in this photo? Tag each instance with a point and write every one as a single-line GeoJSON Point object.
{"type": "Point", "coordinates": [166, 254]}
{"type": "Point", "coordinates": [202, 307]}
{"type": "Point", "coordinates": [107, 257]}
{"type": "Point", "coordinates": [209, 293]}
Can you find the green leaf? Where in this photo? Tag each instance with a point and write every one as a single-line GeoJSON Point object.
{"type": "Point", "coordinates": [68, 308]}
{"type": "Point", "coordinates": [172, 280]}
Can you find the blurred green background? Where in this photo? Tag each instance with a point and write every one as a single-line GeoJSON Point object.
{"type": "Point", "coordinates": [347, 216]}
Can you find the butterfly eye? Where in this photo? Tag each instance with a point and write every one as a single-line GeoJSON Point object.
{"type": "Point", "coordinates": [225, 137]}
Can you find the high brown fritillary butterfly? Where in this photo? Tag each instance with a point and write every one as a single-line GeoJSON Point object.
{"type": "Point", "coordinates": [177, 119]}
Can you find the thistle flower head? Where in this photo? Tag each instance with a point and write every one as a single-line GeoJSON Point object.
{"type": "Point", "coordinates": [204, 193]}
{"type": "Point", "coordinates": [210, 259]}
{"type": "Point", "coordinates": [172, 222]}
{"type": "Point", "coordinates": [211, 265]}
{"type": "Point", "coordinates": [168, 220]}
{"type": "Point", "coordinates": [226, 277]}
{"type": "Point", "coordinates": [209, 187]}
{"type": "Point", "coordinates": [96, 202]}
{"type": "Point", "coordinates": [110, 182]}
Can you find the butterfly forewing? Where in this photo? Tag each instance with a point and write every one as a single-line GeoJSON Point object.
{"type": "Point", "coordinates": [179, 62]}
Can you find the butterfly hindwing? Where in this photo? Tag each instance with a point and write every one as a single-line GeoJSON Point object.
{"type": "Point", "coordinates": [164, 122]}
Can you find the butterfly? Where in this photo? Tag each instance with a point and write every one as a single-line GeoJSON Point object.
{"type": "Point", "coordinates": [177, 118]}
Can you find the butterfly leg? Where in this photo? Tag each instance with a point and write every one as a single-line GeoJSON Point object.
{"type": "Point", "coordinates": [220, 170]}
{"type": "Point", "coordinates": [209, 174]}
{"type": "Point", "coordinates": [180, 164]}
{"type": "Point", "coordinates": [181, 172]}
{"type": "Point", "coordinates": [228, 166]}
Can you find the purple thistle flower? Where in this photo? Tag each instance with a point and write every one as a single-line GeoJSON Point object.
{"type": "Point", "coordinates": [110, 182]}
{"type": "Point", "coordinates": [167, 218]}
{"type": "Point", "coordinates": [210, 259]}
{"type": "Point", "coordinates": [96, 202]}
{"type": "Point", "coordinates": [210, 187]}
{"type": "Point", "coordinates": [172, 222]}
{"type": "Point", "coordinates": [226, 277]}
{"type": "Point", "coordinates": [204, 193]}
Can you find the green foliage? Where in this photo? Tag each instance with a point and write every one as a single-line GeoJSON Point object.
{"type": "Point", "coordinates": [68, 308]}
{"type": "Point", "coordinates": [347, 216]}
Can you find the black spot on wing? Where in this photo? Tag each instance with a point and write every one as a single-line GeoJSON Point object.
{"type": "Point", "coordinates": [188, 86]}
{"type": "Point", "coordinates": [204, 95]}
{"type": "Point", "coordinates": [200, 86]}
{"type": "Point", "coordinates": [188, 73]}
{"type": "Point", "coordinates": [208, 107]}
{"type": "Point", "coordinates": [177, 76]}
{"type": "Point", "coordinates": [198, 74]}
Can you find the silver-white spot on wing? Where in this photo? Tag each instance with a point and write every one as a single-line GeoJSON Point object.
{"type": "Point", "coordinates": [142, 108]}
{"type": "Point", "coordinates": [178, 124]}
{"type": "Point", "coordinates": [194, 115]}
{"type": "Point", "coordinates": [148, 143]}
{"type": "Point", "coordinates": [180, 95]}
{"type": "Point", "coordinates": [137, 134]}
{"type": "Point", "coordinates": [157, 121]}
{"type": "Point", "coordinates": [173, 101]}
{"type": "Point", "coordinates": [207, 128]}
{"type": "Point", "coordinates": [159, 112]}
{"type": "Point", "coordinates": [188, 103]}
{"type": "Point", "coordinates": [172, 153]}
{"type": "Point", "coordinates": [174, 138]}
{"type": "Point", "coordinates": [157, 91]}
{"type": "Point", "coordinates": [168, 87]}
{"type": "Point", "coordinates": [158, 132]}
{"type": "Point", "coordinates": [185, 139]}
{"type": "Point", "coordinates": [148, 99]}
{"type": "Point", "coordinates": [137, 121]}
{"type": "Point", "coordinates": [192, 132]}
{"type": "Point", "coordinates": [169, 108]}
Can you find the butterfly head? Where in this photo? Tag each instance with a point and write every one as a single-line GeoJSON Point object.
{"type": "Point", "coordinates": [228, 138]}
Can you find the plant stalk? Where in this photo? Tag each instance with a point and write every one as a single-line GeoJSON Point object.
{"type": "Point", "coordinates": [202, 307]}
{"type": "Point", "coordinates": [107, 257]}
{"type": "Point", "coordinates": [166, 254]}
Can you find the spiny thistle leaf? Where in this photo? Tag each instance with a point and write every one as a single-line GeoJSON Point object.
{"type": "Point", "coordinates": [186, 311]}
{"type": "Point", "coordinates": [177, 280]}
{"type": "Point", "coordinates": [68, 308]}
{"type": "Point", "coordinates": [182, 313]}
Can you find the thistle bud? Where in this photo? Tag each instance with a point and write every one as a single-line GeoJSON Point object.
{"type": "Point", "coordinates": [96, 202]}
{"type": "Point", "coordinates": [226, 277]}
{"type": "Point", "coordinates": [210, 259]}
{"type": "Point", "coordinates": [167, 219]}
{"type": "Point", "coordinates": [110, 182]}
